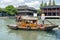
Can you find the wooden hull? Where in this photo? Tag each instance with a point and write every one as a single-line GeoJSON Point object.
{"type": "Point", "coordinates": [47, 28]}
{"type": "Point", "coordinates": [12, 26]}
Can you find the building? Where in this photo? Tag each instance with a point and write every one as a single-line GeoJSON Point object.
{"type": "Point", "coordinates": [51, 10]}
{"type": "Point", "coordinates": [25, 10]}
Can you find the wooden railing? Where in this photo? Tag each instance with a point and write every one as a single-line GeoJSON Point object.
{"type": "Point", "coordinates": [50, 10]}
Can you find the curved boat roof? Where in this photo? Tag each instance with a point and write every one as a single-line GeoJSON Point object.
{"type": "Point", "coordinates": [29, 18]}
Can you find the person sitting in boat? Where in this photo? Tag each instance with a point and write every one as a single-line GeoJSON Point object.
{"type": "Point", "coordinates": [18, 18]}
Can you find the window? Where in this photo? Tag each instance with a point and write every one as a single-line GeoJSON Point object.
{"type": "Point", "coordinates": [49, 14]}
{"type": "Point", "coordinates": [45, 14]}
{"type": "Point", "coordinates": [57, 8]}
{"type": "Point", "coordinates": [45, 9]}
{"type": "Point", "coordinates": [57, 14]}
{"type": "Point", "coordinates": [54, 8]}
{"type": "Point", "coordinates": [49, 8]}
{"type": "Point", "coordinates": [54, 14]}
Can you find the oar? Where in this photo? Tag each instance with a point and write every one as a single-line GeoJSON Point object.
{"type": "Point", "coordinates": [50, 22]}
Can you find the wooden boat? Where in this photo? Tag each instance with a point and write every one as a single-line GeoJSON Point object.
{"type": "Point", "coordinates": [46, 28]}
{"type": "Point", "coordinates": [31, 24]}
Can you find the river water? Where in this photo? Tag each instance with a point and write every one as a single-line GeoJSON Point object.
{"type": "Point", "coordinates": [9, 34]}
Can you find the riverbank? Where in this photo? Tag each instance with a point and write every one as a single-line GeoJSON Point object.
{"type": "Point", "coordinates": [47, 17]}
{"type": "Point", "coordinates": [51, 17]}
{"type": "Point", "coordinates": [4, 17]}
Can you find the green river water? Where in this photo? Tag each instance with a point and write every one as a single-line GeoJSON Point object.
{"type": "Point", "coordinates": [9, 34]}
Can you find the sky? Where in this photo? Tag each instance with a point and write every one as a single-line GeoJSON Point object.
{"type": "Point", "coordinates": [30, 3]}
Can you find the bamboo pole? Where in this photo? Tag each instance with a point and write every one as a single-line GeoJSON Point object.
{"type": "Point", "coordinates": [50, 22]}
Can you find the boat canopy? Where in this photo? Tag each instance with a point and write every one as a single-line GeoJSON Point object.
{"type": "Point", "coordinates": [29, 18]}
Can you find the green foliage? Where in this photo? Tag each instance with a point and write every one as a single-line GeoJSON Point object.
{"type": "Point", "coordinates": [38, 11]}
{"type": "Point", "coordinates": [53, 2]}
{"type": "Point", "coordinates": [41, 5]}
{"type": "Point", "coordinates": [0, 9]}
{"type": "Point", "coordinates": [10, 9]}
{"type": "Point", "coordinates": [45, 4]}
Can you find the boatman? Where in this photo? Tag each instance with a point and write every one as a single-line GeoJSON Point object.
{"type": "Point", "coordinates": [42, 18]}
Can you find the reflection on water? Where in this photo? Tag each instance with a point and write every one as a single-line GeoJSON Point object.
{"type": "Point", "coordinates": [8, 34]}
{"type": "Point", "coordinates": [33, 35]}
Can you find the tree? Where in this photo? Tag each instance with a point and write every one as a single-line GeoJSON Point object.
{"type": "Point", "coordinates": [10, 9]}
{"type": "Point", "coordinates": [0, 10]}
{"type": "Point", "coordinates": [45, 4]}
{"type": "Point", "coordinates": [49, 3]}
{"type": "Point", "coordinates": [38, 11]}
{"type": "Point", "coordinates": [53, 2]}
{"type": "Point", "coordinates": [41, 5]}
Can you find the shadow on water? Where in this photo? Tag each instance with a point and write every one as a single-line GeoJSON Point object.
{"type": "Point", "coordinates": [58, 34]}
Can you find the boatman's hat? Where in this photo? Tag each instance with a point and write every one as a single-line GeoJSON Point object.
{"type": "Point", "coordinates": [42, 14]}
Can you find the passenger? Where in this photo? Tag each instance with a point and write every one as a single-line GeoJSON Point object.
{"type": "Point", "coordinates": [34, 22]}
{"type": "Point", "coordinates": [17, 18]}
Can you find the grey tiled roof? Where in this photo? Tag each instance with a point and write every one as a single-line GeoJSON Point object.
{"type": "Point", "coordinates": [22, 7]}
{"type": "Point", "coordinates": [26, 7]}
{"type": "Point", "coordinates": [26, 11]}
{"type": "Point", "coordinates": [56, 6]}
